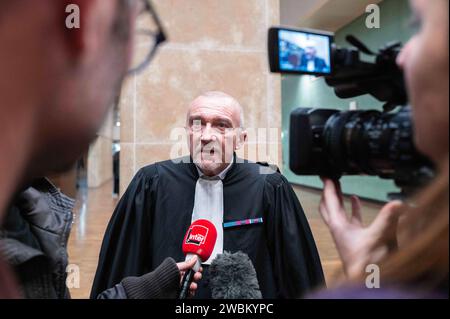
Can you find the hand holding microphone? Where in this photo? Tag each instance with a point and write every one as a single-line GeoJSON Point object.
{"type": "Point", "coordinates": [183, 267]}
{"type": "Point", "coordinates": [198, 242]}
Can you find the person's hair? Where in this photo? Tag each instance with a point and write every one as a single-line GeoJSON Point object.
{"type": "Point", "coordinates": [422, 259]}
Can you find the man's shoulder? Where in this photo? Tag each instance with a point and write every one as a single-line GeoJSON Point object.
{"type": "Point", "coordinates": [320, 61]}
{"type": "Point", "coordinates": [264, 171]}
{"type": "Point", "coordinates": [161, 167]}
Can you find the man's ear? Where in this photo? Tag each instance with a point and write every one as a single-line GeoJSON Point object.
{"type": "Point", "coordinates": [242, 138]}
{"type": "Point", "coordinates": [73, 16]}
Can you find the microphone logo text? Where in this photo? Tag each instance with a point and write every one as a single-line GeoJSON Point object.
{"type": "Point", "coordinates": [197, 235]}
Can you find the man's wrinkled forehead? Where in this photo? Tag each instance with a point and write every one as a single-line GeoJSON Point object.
{"type": "Point", "coordinates": [214, 107]}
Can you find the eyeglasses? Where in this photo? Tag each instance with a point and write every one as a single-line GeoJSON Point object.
{"type": "Point", "coordinates": [148, 36]}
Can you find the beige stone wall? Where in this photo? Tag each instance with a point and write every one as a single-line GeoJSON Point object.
{"type": "Point", "coordinates": [99, 164]}
{"type": "Point", "coordinates": [213, 45]}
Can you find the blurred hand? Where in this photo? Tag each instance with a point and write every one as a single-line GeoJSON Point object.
{"type": "Point", "coordinates": [185, 266]}
{"type": "Point", "coordinates": [358, 246]}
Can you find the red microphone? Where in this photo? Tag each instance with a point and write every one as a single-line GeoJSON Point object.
{"type": "Point", "coordinates": [199, 240]}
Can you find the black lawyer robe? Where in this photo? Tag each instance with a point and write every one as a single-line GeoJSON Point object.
{"type": "Point", "coordinates": [151, 219]}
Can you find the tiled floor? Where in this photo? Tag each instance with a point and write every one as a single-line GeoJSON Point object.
{"type": "Point", "coordinates": [95, 207]}
{"type": "Point", "coordinates": [92, 213]}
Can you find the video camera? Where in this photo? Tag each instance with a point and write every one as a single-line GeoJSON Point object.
{"type": "Point", "coordinates": [332, 143]}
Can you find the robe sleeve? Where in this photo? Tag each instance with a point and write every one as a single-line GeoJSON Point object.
{"type": "Point", "coordinates": [125, 245]}
{"type": "Point", "coordinates": [294, 256]}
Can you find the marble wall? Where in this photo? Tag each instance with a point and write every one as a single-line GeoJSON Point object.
{"type": "Point", "coordinates": [99, 163]}
{"type": "Point", "coordinates": [213, 45]}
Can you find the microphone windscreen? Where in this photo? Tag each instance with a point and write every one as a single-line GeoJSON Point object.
{"type": "Point", "coordinates": [200, 239]}
{"type": "Point", "coordinates": [232, 276]}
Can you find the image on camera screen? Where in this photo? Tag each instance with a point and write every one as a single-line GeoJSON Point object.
{"type": "Point", "coordinates": [304, 52]}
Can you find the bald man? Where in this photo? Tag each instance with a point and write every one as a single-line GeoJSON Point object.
{"type": "Point", "coordinates": [254, 212]}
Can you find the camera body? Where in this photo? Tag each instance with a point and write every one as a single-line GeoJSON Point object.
{"type": "Point", "coordinates": [333, 143]}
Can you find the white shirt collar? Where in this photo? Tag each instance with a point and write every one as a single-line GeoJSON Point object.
{"type": "Point", "coordinates": [221, 175]}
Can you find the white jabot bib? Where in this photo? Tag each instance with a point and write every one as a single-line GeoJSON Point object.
{"type": "Point", "coordinates": [208, 204]}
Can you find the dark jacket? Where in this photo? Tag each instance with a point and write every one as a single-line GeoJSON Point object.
{"type": "Point", "coordinates": [151, 219]}
{"type": "Point", "coordinates": [34, 239]}
{"type": "Point", "coordinates": [319, 64]}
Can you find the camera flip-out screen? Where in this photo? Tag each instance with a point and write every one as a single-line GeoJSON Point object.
{"type": "Point", "coordinates": [300, 51]}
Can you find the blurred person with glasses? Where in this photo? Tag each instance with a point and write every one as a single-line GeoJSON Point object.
{"type": "Point", "coordinates": [57, 85]}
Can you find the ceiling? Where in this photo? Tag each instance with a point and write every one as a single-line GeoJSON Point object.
{"type": "Point", "coordinates": [328, 15]}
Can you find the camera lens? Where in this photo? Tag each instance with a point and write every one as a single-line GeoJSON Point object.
{"type": "Point", "coordinates": [370, 142]}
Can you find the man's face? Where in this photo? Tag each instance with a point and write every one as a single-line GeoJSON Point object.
{"type": "Point", "coordinates": [74, 75]}
{"type": "Point", "coordinates": [213, 125]}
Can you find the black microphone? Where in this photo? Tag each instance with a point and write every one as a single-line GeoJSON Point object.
{"type": "Point", "coordinates": [232, 276]}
